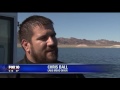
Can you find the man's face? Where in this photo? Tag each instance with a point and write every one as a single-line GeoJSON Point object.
{"type": "Point", "coordinates": [44, 45]}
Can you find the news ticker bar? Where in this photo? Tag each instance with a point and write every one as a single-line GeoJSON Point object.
{"type": "Point", "coordinates": [54, 68]}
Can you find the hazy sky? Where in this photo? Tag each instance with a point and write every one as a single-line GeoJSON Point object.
{"type": "Point", "coordinates": [91, 26]}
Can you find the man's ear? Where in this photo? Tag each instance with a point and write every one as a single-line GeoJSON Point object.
{"type": "Point", "coordinates": [26, 45]}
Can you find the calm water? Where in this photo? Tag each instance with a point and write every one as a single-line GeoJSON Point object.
{"type": "Point", "coordinates": [89, 56]}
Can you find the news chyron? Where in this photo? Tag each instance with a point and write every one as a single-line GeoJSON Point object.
{"type": "Point", "coordinates": [57, 68]}
{"type": "Point", "coordinates": [13, 68]}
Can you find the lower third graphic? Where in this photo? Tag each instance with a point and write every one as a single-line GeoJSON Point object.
{"type": "Point", "coordinates": [13, 68]}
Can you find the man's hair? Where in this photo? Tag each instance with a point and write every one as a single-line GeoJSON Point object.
{"type": "Point", "coordinates": [25, 28]}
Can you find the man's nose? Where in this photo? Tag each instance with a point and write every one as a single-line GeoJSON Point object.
{"type": "Point", "coordinates": [51, 41]}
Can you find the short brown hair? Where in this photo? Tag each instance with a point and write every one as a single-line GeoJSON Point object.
{"type": "Point", "coordinates": [25, 28]}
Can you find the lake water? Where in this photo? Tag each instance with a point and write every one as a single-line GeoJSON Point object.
{"type": "Point", "coordinates": [88, 56]}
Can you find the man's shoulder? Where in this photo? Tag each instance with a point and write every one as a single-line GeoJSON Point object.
{"type": "Point", "coordinates": [21, 62]}
{"type": "Point", "coordinates": [60, 62]}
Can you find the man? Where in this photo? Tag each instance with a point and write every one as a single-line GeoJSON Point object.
{"type": "Point", "coordinates": [37, 37]}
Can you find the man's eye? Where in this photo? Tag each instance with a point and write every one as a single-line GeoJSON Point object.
{"type": "Point", "coordinates": [43, 38]}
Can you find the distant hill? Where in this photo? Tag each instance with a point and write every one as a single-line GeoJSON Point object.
{"type": "Point", "coordinates": [75, 41]}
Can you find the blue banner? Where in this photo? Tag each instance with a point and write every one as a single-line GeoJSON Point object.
{"type": "Point", "coordinates": [55, 68]}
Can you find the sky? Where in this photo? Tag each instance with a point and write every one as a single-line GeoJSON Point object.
{"type": "Point", "coordinates": [90, 26]}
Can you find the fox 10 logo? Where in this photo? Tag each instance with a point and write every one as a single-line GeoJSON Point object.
{"type": "Point", "coordinates": [13, 68]}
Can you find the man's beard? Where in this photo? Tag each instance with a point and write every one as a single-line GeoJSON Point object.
{"type": "Point", "coordinates": [43, 58]}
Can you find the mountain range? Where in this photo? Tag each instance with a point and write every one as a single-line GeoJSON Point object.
{"type": "Point", "coordinates": [75, 41]}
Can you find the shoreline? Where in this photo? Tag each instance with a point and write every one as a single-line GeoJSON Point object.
{"type": "Point", "coordinates": [75, 46]}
